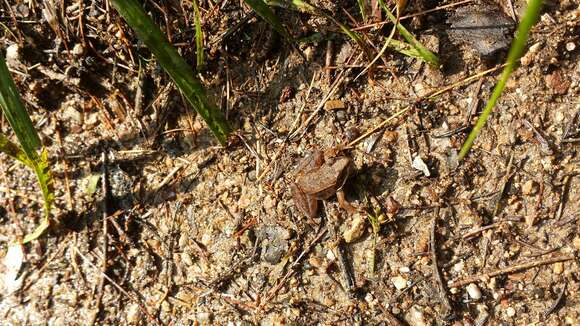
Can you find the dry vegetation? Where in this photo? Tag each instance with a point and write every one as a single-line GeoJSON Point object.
{"type": "Point", "coordinates": [185, 231]}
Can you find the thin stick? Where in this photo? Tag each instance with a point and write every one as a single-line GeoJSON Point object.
{"type": "Point", "coordinates": [104, 248]}
{"type": "Point", "coordinates": [447, 308]}
{"type": "Point", "coordinates": [556, 303]}
{"type": "Point", "coordinates": [118, 287]}
{"type": "Point", "coordinates": [379, 24]}
{"type": "Point", "coordinates": [510, 270]}
{"type": "Point", "coordinates": [292, 129]}
{"type": "Point", "coordinates": [291, 270]}
{"type": "Point", "coordinates": [69, 199]}
{"type": "Point", "coordinates": [428, 96]}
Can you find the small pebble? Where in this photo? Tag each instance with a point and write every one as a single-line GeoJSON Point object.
{"type": "Point", "coordinates": [577, 242]}
{"type": "Point", "coordinates": [356, 229]}
{"type": "Point", "coordinates": [415, 317]}
{"type": "Point", "coordinates": [204, 317]}
{"type": "Point", "coordinates": [420, 165]}
{"type": "Point", "coordinates": [558, 268]}
{"type": "Point", "coordinates": [12, 53]}
{"type": "Point", "coordinates": [570, 46]}
{"type": "Point", "coordinates": [530, 188]}
{"type": "Point", "coordinates": [78, 50]}
{"type": "Point", "coordinates": [399, 282]}
{"type": "Point", "coordinates": [404, 269]}
{"type": "Point", "coordinates": [510, 311]}
{"type": "Point", "coordinates": [133, 314]}
{"type": "Point", "coordinates": [473, 291]}
{"type": "Point", "coordinates": [457, 268]}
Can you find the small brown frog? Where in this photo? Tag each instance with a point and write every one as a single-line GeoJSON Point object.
{"type": "Point", "coordinates": [318, 178]}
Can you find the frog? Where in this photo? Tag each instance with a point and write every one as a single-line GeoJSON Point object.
{"type": "Point", "coordinates": [319, 176]}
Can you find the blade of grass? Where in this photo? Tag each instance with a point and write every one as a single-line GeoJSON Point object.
{"type": "Point", "coordinates": [517, 49]}
{"type": "Point", "coordinates": [362, 9]}
{"type": "Point", "coordinates": [174, 65]}
{"type": "Point", "coordinates": [405, 49]}
{"type": "Point", "coordinates": [198, 38]}
{"type": "Point", "coordinates": [16, 114]}
{"type": "Point", "coordinates": [303, 6]}
{"type": "Point", "coordinates": [262, 9]}
{"type": "Point", "coordinates": [19, 120]}
{"type": "Point", "coordinates": [14, 151]}
{"type": "Point", "coordinates": [425, 54]}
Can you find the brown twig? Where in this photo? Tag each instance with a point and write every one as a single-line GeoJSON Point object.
{"type": "Point", "coordinates": [556, 303]}
{"type": "Point", "coordinates": [509, 270]}
{"type": "Point", "coordinates": [430, 95]}
{"type": "Point", "coordinates": [437, 277]}
{"type": "Point", "coordinates": [105, 245]}
{"type": "Point", "coordinates": [118, 287]}
{"type": "Point", "coordinates": [272, 292]}
{"type": "Point", "coordinates": [69, 199]}
{"type": "Point", "coordinates": [563, 197]}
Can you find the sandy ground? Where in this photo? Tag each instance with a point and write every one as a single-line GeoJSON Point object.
{"type": "Point", "coordinates": [194, 233]}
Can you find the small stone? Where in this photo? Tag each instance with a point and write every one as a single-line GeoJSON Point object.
{"type": "Point", "coordinates": [204, 317]}
{"type": "Point", "coordinates": [485, 28]}
{"type": "Point", "coordinates": [399, 282]}
{"type": "Point", "coordinates": [510, 311]}
{"type": "Point", "coordinates": [330, 255]}
{"type": "Point", "coordinates": [78, 50]}
{"type": "Point", "coordinates": [356, 229]}
{"type": "Point", "coordinates": [421, 89]}
{"type": "Point", "coordinates": [404, 269]}
{"type": "Point", "coordinates": [558, 267]}
{"type": "Point", "coordinates": [334, 105]}
{"type": "Point", "coordinates": [528, 58]}
{"type": "Point", "coordinates": [12, 53]}
{"type": "Point", "coordinates": [530, 188]}
{"type": "Point", "coordinates": [474, 291]}
{"type": "Point", "coordinates": [133, 314]}
{"type": "Point", "coordinates": [269, 203]}
{"type": "Point", "coordinates": [415, 317]}
{"type": "Point", "coordinates": [457, 268]}
{"type": "Point", "coordinates": [570, 46]}
{"type": "Point", "coordinates": [274, 244]}
{"type": "Point", "coordinates": [420, 165]}
{"type": "Point", "coordinates": [577, 242]}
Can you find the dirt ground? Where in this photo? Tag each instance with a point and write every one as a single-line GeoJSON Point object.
{"type": "Point", "coordinates": [193, 233]}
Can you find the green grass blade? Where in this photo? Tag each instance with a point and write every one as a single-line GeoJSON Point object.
{"type": "Point", "coordinates": [262, 9]}
{"type": "Point", "coordinates": [46, 182]}
{"type": "Point", "coordinates": [168, 57]}
{"type": "Point", "coordinates": [16, 114]}
{"type": "Point", "coordinates": [424, 53]}
{"type": "Point", "coordinates": [20, 122]}
{"type": "Point", "coordinates": [198, 37]}
{"type": "Point", "coordinates": [362, 9]}
{"type": "Point", "coordinates": [516, 51]}
{"type": "Point", "coordinates": [405, 49]}
{"type": "Point", "coordinates": [303, 6]}
{"type": "Point", "coordinates": [14, 151]}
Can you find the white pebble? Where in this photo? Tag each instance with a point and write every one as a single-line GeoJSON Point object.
{"type": "Point", "coordinates": [399, 282]}
{"type": "Point", "coordinates": [457, 268]}
{"type": "Point", "coordinates": [12, 52]}
{"type": "Point", "coordinates": [404, 269]}
{"type": "Point", "coordinates": [570, 46]}
{"type": "Point", "coordinates": [510, 311]}
{"type": "Point", "coordinates": [356, 229]}
{"type": "Point", "coordinates": [474, 291]}
{"type": "Point", "coordinates": [415, 317]}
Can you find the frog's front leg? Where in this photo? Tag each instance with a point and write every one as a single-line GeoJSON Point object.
{"type": "Point", "coordinates": [344, 204]}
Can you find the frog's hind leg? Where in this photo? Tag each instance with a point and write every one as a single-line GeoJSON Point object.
{"type": "Point", "coordinates": [306, 204]}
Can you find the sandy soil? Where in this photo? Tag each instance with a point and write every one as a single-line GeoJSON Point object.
{"type": "Point", "coordinates": [195, 233]}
